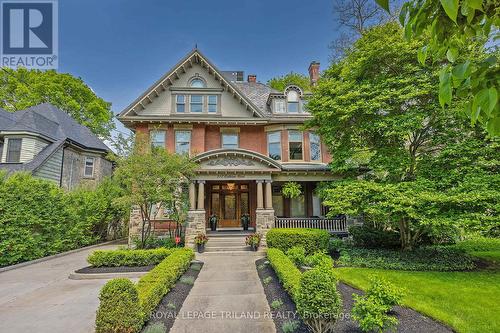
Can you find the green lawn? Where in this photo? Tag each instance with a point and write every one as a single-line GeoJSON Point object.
{"type": "Point", "coordinates": [466, 301]}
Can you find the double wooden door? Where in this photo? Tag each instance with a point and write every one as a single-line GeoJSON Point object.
{"type": "Point", "coordinates": [229, 201]}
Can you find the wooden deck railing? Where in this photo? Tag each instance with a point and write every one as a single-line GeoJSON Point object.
{"type": "Point", "coordinates": [332, 225]}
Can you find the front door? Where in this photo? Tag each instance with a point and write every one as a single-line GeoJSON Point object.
{"type": "Point", "coordinates": [229, 201]}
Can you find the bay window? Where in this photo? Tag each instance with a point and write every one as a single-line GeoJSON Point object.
{"type": "Point", "coordinates": [295, 145]}
{"type": "Point", "coordinates": [274, 145]}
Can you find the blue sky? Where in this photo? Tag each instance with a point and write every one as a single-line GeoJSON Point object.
{"type": "Point", "coordinates": [120, 47]}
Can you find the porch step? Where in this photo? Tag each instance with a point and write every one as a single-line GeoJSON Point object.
{"type": "Point", "coordinates": [224, 234]}
{"type": "Point", "coordinates": [226, 248]}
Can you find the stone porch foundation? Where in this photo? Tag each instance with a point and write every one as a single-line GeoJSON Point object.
{"type": "Point", "coordinates": [195, 224]}
{"type": "Point", "coordinates": [264, 221]}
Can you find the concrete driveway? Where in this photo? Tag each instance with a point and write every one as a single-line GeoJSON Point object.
{"type": "Point", "coordinates": [40, 297]}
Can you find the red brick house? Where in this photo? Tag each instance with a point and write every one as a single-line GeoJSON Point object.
{"type": "Point", "coordinates": [247, 139]}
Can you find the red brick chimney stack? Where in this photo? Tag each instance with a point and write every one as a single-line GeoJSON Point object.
{"type": "Point", "coordinates": [314, 72]}
{"type": "Point", "coordinates": [252, 78]}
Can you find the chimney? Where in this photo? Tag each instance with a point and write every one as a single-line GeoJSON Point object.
{"type": "Point", "coordinates": [252, 78]}
{"type": "Point", "coordinates": [314, 72]}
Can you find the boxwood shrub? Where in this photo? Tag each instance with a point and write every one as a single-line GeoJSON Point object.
{"type": "Point", "coordinates": [158, 282]}
{"type": "Point", "coordinates": [288, 274]}
{"type": "Point", "coordinates": [369, 237]}
{"type": "Point", "coordinates": [312, 240]}
{"type": "Point", "coordinates": [119, 310]}
{"type": "Point", "coordinates": [114, 258]}
{"type": "Point", "coordinates": [435, 258]}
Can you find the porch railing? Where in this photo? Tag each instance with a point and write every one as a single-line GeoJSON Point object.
{"type": "Point", "coordinates": [332, 225]}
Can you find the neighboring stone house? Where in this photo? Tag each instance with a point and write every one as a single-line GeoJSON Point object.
{"type": "Point", "coordinates": [247, 139]}
{"type": "Point", "coordinates": [48, 143]}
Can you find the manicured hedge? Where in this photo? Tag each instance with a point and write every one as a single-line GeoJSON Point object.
{"type": "Point", "coordinates": [119, 310]}
{"type": "Point", "coordinates": [422, 259]}
{"type": "Point", "coordinates": [158, 282]}
{"type": "Point", "coordinates": [312, 240]}
{"type": "Point", "coordinates": [124, 306]}
{"type": "Point", "coordinates": [288, 274]}
{"type": "Point", "coordinates": [114, 258]}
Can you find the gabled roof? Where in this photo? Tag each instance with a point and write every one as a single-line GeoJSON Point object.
{"type": "Point", "coordinates": [52, 123]}
{"type": "Point", "coordinates": [195, 56]}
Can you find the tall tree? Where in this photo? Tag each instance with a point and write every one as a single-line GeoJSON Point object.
{"type": "Point", "coordinates": [23, 88]}
{"type": "Point", "coordinates": [281, 82]}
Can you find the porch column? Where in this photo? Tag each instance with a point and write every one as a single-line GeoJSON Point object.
{"type": "Point", "coordinates": [192, 195]}
{"type": "Point", "coordinates": [201, 195]}
{"type": "Point", "coordinates": [260, 195]}
{"type": "Point", "coordinates": [269, 195]}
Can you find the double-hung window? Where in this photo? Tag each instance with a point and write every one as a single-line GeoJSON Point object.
{"type": "Point", "coordinates": [315, 146]}
{"type": "Point", "coordinates": [157, 138]}
{"type": "Point", "coordinates": [212, 103]}
{"type": "Point", "coordinates": [293, 101]}
{"type": "Point", "coordinates": [180, 103]}
{"type": "Point", "coordinates": [230, 140]}
{"type": "Point", "coordinates": [295, 145]}
{"type": "Point", "coordinates": [14, 150]}
{"type": "Point", "coordinates": [89, 167]}
{"type": "Point", "coordinates": [274, 145]}
{"type": "Point", "coordinates": [196, 103]}
{"type": "Point", "coordinates": [182, 142]}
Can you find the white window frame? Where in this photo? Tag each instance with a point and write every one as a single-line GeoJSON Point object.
{"type": "Point", "coordinates": [230, 134]}
{"type": "Point", "coordinates": [301, 143]}
{"type": "Point", "coordinates": [175, 141]}
{"type": "Point", "coordinates": [7, 153]}
{"type": "Point", "coordinates": [209, 104]}
{"type": "Point", "coordinates": [269, 143]}
{"type": "Point", "coordinates": [154, 143]}
{"type": "Point", "coordinates": [191, 103]}
{"type": "Point", "coordinates": [86, 159]}
{"type": "Point", "coordinates": [177, 103]}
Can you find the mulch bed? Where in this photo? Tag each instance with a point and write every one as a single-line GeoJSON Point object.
{"type": "Point", "coordinates": [171, 304]}
{"type": "Point", "coordinates": [409, 320]}
{"type": "Point", "coordinates": [119, 269]}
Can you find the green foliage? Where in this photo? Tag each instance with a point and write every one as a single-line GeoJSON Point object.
{"type": "Point", "coordinates": [290, 326]}
{"type": "Point", "coordinates": [189, 280]}
{"type": "Point", "coordinates": [370, 237]}
{"type": "Point", "coordinates": [318, 301]}
{"type": "Point", "coordinates": [479, 244]}
{"type": "Point", "coordinates": [371, 310]}
{"type": "Point", "coordinates": [335, 245]}
{"type": "Point", "coordinates": [291, 190]}
{"type": "Point", "coordinates": [311, 240]}
{"type": "Point", "coordinates": [451, 26]}
{"type": "Point", "coordinates": [297, 254]}
{"type": "Point", "coordinates": [156, 328]}
{"type": "Point", "coordinates": [285, 269]}
{"type": "Point", "coordinates": [158, 282]}
{"type": "Point", "coordinates": [154, 177]}
{"type": "Point", "coordinates": [267, 280]}
{"type": "Point", "coordinates": [281, 82]}
{"type": "Point", "coordinates": [23, 88]}
{"type": "Point", "coordinates": [276, 304]}
{"type": "Point", "coordinates": [37, 218]}
{"type": "Point", "coordinates": [319, 259]}
{"type": "Point", "coordinates": [119, 310]}
{"type": "Point", "coordinates": [434, 258]}
{"type": "Point", "coordinates": [116, 258]}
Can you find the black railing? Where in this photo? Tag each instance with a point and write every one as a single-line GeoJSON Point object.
{"type": "Point", "coordinates": [332, 225]}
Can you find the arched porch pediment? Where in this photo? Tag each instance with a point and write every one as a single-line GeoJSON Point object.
{"type": "Point", "coordinates": [235, 160]}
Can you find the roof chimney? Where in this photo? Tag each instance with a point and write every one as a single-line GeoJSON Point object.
{"type": "Point", "coordinates": [314, 72]}
{"type": "Point", "coordinates": [252, 78]}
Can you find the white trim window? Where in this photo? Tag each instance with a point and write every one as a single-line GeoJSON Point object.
{"type": "Point", "coordinates": [14, 150]}
{"type": "Point", "coordinates": [88, 171]}
{"type": "Point", "coordinates": [182, 142]}
{"type": "Point", "coordinates": [292, 98]}
{"type": "Point", "coordinates": [230, 140]}
{"type": "Point", "coordinates": [180, 103]}
{"type": "Point", "coordinates": [315, 146]}
{"type": "Point", "coordinates": [212, 103]}
{"type": "Point", "coordinates": [197, 83]}
{"type": "Point", "coordinates": [157, 138]}
{"type": "Point", "coordinates": [196, 103]}
{"type": "Point", "coordinates": [279, 106]}
{"type": "Point", "coordinates": [274, 145]}
{"type": "Point", "coordinates": [295, 146]}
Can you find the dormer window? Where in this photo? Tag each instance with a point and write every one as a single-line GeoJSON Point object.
{"type": "Point", "coordinates": [197, 83]}
{"type": "Point", "coordinates": [14, 150]}
{"type": "Point", "coordinates": [292, 98]}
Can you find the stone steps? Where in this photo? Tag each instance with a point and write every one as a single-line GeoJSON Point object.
{"type": "Point", "coordinates": [224, 242]}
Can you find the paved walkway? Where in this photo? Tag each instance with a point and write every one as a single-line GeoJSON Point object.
{"type": "Point", "coordinates": [226, 297]}
{"type": "Point", "coordinates": [40, 297]}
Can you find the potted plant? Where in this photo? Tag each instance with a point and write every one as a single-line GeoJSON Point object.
{"type": "Point", "coordinates": [253, 240]}
{"type": "Point", "coordinates": [213, 219]}
{"type": "Point", "coordinates": [245, 221]}
{"type": "Point", "coordinates": [291, 190]}
{"type": "Point", "coordinates": [200, 241]}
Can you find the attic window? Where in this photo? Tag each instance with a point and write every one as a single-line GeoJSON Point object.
{"type": "Point", "coordinates": [197, 83]}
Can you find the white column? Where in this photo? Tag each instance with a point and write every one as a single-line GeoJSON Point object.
{"type": "Point", "coordinates": [192, 196]}
{"type": "Point", "coordinates": [201, 195]}
{"type": "Point", "coordinates": [260, 195]}
{"type": "Point", "coordinates": [269, 195]}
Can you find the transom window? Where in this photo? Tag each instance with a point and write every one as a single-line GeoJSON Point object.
{"type": "Point", "coordinates": [230, 140]}
{"type": "Point", "coordinates": [196, 103]}
{"type": "Point", "coordinates": [157, 138]}
{"type": "Point", "coordinates": [274, 145]}
{"type": "Point", "coordinates": [180, 103]}
{"type": "Point", "coordinates": [212, 103]}
{"type": "Point", "coordinates": [14, 150]}
{"type": "Point", "coordinates": [295, 145]}
{"type": "Point", "coordinates": [315, 146]}
{"type": "Point", "coordinates": [89, 167]}
{"type": "Point", "coordinates": [182, 142]}
{"type": "Point", "coordinates": [197, 83]}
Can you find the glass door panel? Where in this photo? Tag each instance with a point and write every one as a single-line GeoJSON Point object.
{"type": "Point", "coordinates": [229, 207]}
